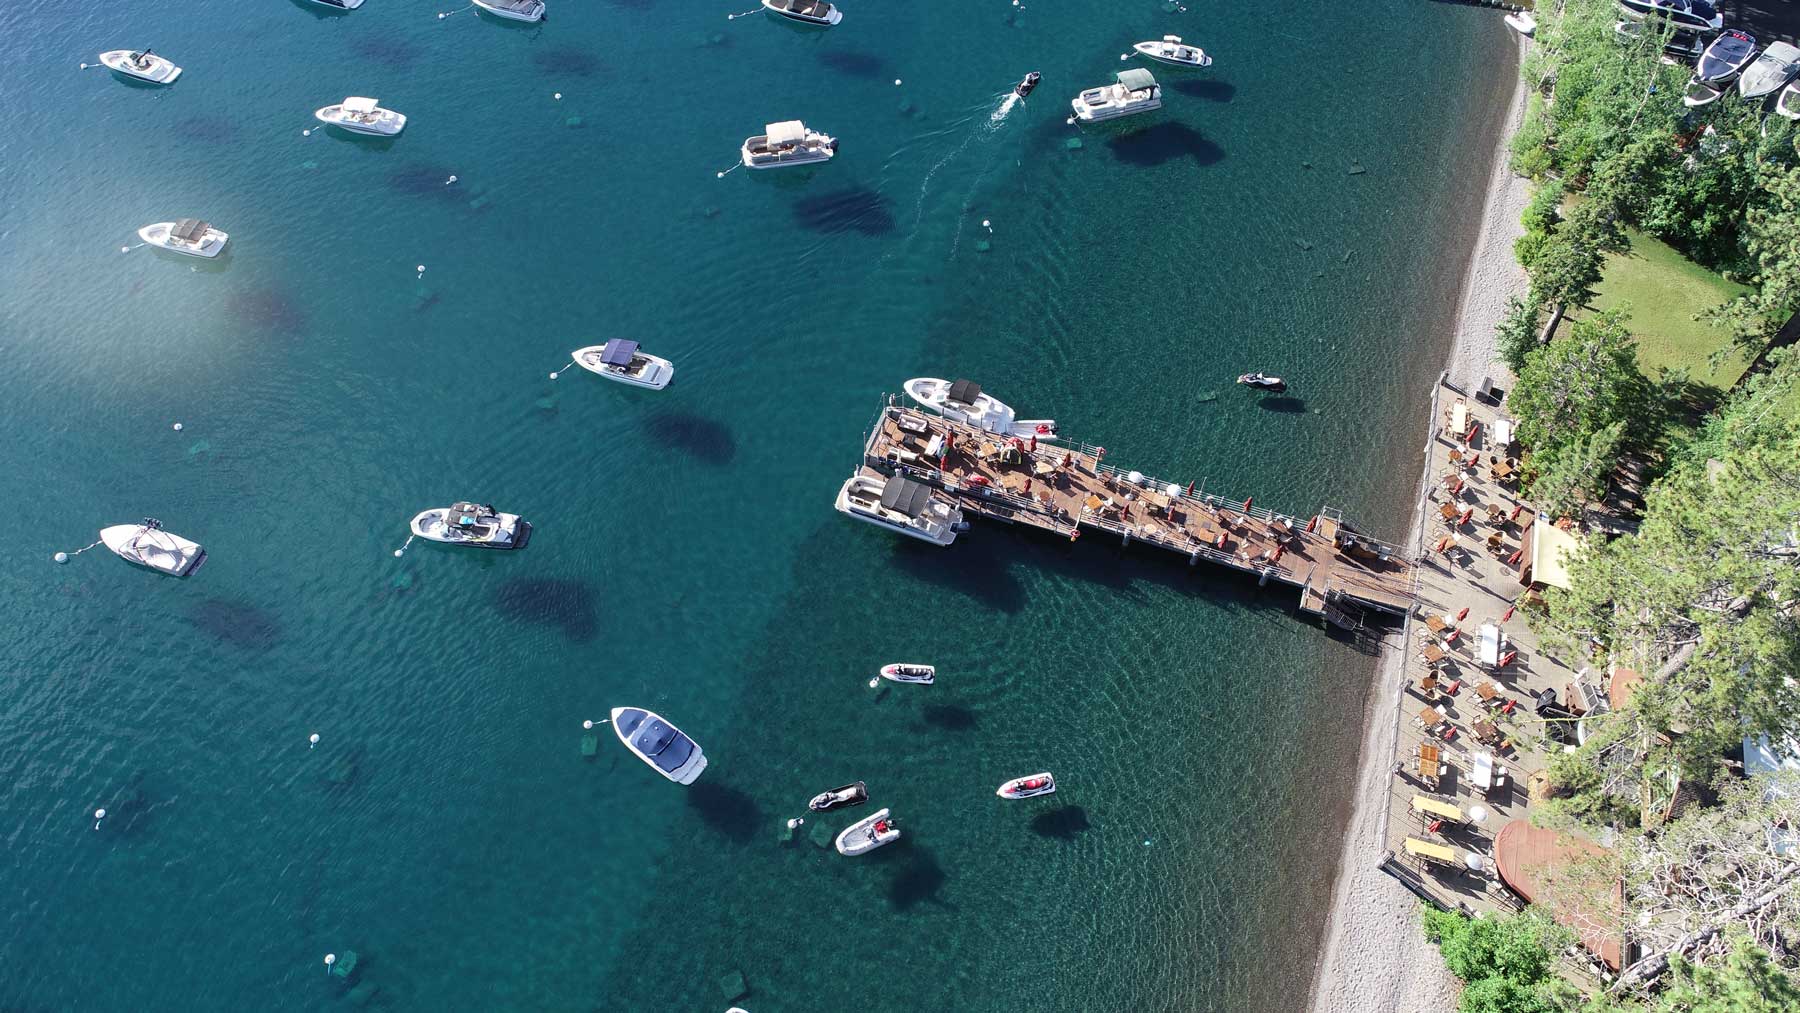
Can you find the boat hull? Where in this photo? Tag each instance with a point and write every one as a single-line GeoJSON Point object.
{"type": "Point", "coordinates": [157, 235]}
{"type": "Point", "coordinates": [510, 15]}
{"type": "Point", "coordinates": [385, 128]}
{"type": "Point", "coordinates": [849, 509]}
{"type": "Point", "coordinates": [656, 378]}
{"type": "Point", "coordinates": [422, 527]}
{"type": "Point", "coordinates": [119, 62]}
{"type": "Point", "coordinates": [924, 675]}
{"type": "Point", "coordinates": [154, 549]}
{"type": "Point", "coordinates": [825, 22]}
{"type": "Point", "coordinates": [855, 793]}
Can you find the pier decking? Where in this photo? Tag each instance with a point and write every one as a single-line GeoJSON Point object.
{"type": "Point", "coordinates": [1067, 489]}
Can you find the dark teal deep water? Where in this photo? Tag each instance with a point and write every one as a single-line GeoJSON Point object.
{"type": "Point", "coordinates": [687, 558]}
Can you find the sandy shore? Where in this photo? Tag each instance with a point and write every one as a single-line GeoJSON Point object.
{"type": "Point", "coordinates": [1375, 958]}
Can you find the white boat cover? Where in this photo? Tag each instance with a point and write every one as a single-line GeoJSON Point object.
{"type": "Point", "coordinates": [786, 132]}
{"type": "Point", "coordinates": [363, 106]}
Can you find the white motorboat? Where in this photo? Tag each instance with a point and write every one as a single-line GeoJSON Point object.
{"type": "Point", "coordinates": [362, 116]}
{"type": "Point", "coordinates": [1699, 94]}
{"type": "Point", "coordinates": [787, 143]}
{"type": "Point", "coordinates": [513, 10]}
{"type": "Point", "coordinates": [1028, 787]}
{"type": "Point", "coordinates": [472, 524]}
{"type": "Point", "coordinates": [660, 744]}
{"type": "Point", "coordinates": [902, 672]}
{"type": "Point", "coordinates": [1135, 91]}
{"type": "Point", "coordinates": [1788, 104]}
{"type": "Point", "coordinates": [963, 401]}
{"type": "Point", "coordinates": [812, 12]}
{"type": "Point", "coordinates": [901, 505]}
{"type": "Point", "coordinates": [148, 545]}
{"type": "Point", "coordinates": [855, 793]}
{"type": "Point", "coordinates": [1262, 381]}
{"type": "Point", "coordinates": [141, 64]}
{"type": "Point", "coordinates": [865, 835]}
{"type": "Point", "coordinates": [621, 360]}
{"type": "Point", "coordinates": [1173, 52]}
{"type": "Point", "coordinates": [342, 5]}
{"type": "Point", "coordinates": [191, 236]}
{"type": "Point", "coordinates": [1691, 15]}
{"type": "Point", "coordinates": [1725, 58]}
{"type": "Point", "coordinates": [1770, 72]}
{"type": "Point", "coordinates": [1522, 22]}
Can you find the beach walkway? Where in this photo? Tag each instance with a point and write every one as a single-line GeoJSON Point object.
{"type": "Point", "coordinates": [1068, 489]}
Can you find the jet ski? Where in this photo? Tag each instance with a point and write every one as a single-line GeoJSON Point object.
{"type": "Point", "coordinates": [1028, 787]}
{"type": "Point", "coordinates": [1273, 384]}
{"type": "Point", "coordinates": [1023, 88]}
{"type": "Point", "coordinates": [837, 798]}
{"type": "Point", "coordinates": [868, 834]}
{"type": "Point", "coordinates": [909, 673]}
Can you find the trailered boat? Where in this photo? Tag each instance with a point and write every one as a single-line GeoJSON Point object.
{"type": "Point", "coordinates": [903, 672]}
{"type": "Point", "coordinates": [148, 545]}
{"type": "Point", "coordinates": [1788, 104]}
{"type": "Point", "coordinates": [903, 506]}
{"type": "Point", "coordinates": [141, 64]}
{"type": "Point", "coordinates": [812, 12]}
{"type": "Point", "coordinates": [1135, 91]}
{"type": "Point", "coordinates": [513, 10]}
{"type": "Point", "coordinates": [787, 143]}
{"type": "Point", "coordinates": [621, 359]}
{"type": "Point", "coordinates": [1028, 787]}
{"type": "Point", "coordinates": [191, 236]}
{"type": "Point", "coordinates": [865, 835]}
{"type": "Point", "coordinates": [1173, 52]}
{"type": "Point", "coordinates": [855, 793]}
{"type": "Point", "coordinates": [658, 743]}
{"type": "Point", "coordinates": [1725, 58]}
{"type": "Point", "coordinates": [472, 524]}
{"type": "Point", "coordinates": [362, 115]}
{"type": "Point", "coordinates": [963, 401]}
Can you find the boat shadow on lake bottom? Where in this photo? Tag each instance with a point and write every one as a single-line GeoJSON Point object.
{"type": "Point", "coordinates": [1165, 142]}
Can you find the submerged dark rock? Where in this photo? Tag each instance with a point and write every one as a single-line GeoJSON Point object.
{"type": "Point", "coordinates": [706, 439]}
{"type": "Point", "coordinates": [568, 604]}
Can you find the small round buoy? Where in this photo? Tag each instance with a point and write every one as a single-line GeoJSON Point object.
{"type": "Point", "coordinates": [61, 557]}
{"type": "Point", "coordinates": [84, 66]}
{"type": "Point", "coordinates": [124, 249]}
{"type": "Point", "coordinates": [451, 180]}
{"type": "Point", "coordinates": [589, 723]}
{"type": "Point", "coordinates": [177, 427]}
{"type": "Point", "coordinates": [875, 682]}
{"type": "Point", "coordinates": [306, 133]}
{"type": "Point", "coordinates": [719, 176]}
{"type": "Point", "coordinates": [421, 268]}
{"type": "Point", "coordinates": [313, 739]}
{"type": "Point", "coordinates": [552, 376]}
{"type": "Point", "coordinates": [399, 552]}
{"type": "Point", "coordinates": [794, 823]}
{"type": "Point", "coordinates": [557, 96]}
{"type": "Point", "coordinates": [896, 82]}
{"type": "Point", "coordinates": [99, 814]}
{"type": "Point", "coordinates": [330, 959]}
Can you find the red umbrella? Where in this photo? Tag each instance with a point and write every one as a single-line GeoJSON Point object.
{"type": "Point", "coordinates": [1279, 549]}
{"type": "Point", "coordinates": [1515, 514]}
{"type": "Point", "coordinates": [1028, 486]}
{"type": "Point", "coordinates": [1310, 525]}
{"type": "Point", "coordinates": [1466, 514]}
{"type": "Point", "coordinates": [1456, 487]}
{"type": "Point", "coordinates": [1513, 560]}
{"type": "Point", "coordinates": [1507, 658]}
{"type": "Point", "coordinates": [1451, 639]}
{"type": "Point", "coordinates": [1474, 427]}
{"type": "Point", "coordinates": [1034, 443]}
{"type": "Point", "coordinates": [1504, 616]}
{"type": "Point", "coordinates": [1247, 503]}
{"type": "Point", "coordinates": [1220, 543]}
{"type": "Point", "coordinates": [1464, 614]}
{"type": "Point", "coordinates": [1475, 461]}
{"type": "Point", "coordinates": [943, 459]}
{"type": "Point", "coordinates": [1190, 491]}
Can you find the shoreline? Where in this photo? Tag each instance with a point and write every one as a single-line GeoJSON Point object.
{"type": "Point", "coordinates": [1374, 957]}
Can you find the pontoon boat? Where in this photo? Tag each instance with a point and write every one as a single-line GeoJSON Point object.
{"type": "Point", "coordinates": [865, 835]}
{"type": "Point", "coordinates": [787, 143]}
{"type": "Point", "coordinates": [142, 65]}
{"type": "Point", "coordinates": [902, 672]}
{"type": "Point", "coordinates": [513, 10]}
{"type": "Point", "coordinates": [812, 12]}
{"type": "Point", "coordinates": [659, 743]}
{"type": "Point", "coordinates": [1692, 15]}
{"type": "Point", "coordinates": [472, 524]}
{"type": "Point", "coordinates": [362, 116]}
{"type": "Point", "coordinates": [1135, 92]}
{"type": "Point", "coordinates": [148, 545]}
{"type": "Point", "coordinates": [187, 235]}
{"type": "Point", "coordinates": [901, 505]}
{"type": "Point", "coordinates": [1770, 72]}
{"type": "Point", "coordinates": [1028, 787]}
{"type": "Point", "coordinates": [838, 798]}
{"type": "Point", "coordinates": [621, 360]}
{"type": "Point", "coordinates": [1172, 52]}
{"type": "Point", "coordinates": [963, 401]}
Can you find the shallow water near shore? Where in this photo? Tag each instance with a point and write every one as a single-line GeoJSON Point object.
{"type": "Point", "coordinates": [1302, 207]}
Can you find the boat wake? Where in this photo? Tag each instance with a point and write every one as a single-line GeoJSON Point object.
{"type": "Point", "coordinates": [1006, 106]}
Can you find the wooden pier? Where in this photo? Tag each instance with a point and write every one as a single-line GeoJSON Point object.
{"type": "Point", "coordinates": [1068, 489]}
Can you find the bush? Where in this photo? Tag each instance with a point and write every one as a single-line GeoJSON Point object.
{"type": "Point", "coordinates": [1517, 334]}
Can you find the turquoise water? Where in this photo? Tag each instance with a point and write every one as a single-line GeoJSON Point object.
{"type": "Point", "coordinates": [446, 828]}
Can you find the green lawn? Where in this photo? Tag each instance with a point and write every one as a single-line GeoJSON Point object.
{"type": "Point", "coordinates": [1663, 291]}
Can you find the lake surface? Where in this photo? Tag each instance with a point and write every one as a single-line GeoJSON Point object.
{"type": "Point", "coordinates": [1301, 207]}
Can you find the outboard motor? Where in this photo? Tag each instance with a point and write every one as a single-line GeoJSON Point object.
{"type": "Point", "coordinates": [1023, 88]}
{"type": "Point", "coordinates": [834, 145]}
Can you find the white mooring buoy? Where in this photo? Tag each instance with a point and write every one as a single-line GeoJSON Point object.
{"type": "Point", "coordinates": [99, 814]}
{"type": "Point", "coordinates": [330, 959]}
{"type": "Point", "coordinates": [312, 740]}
